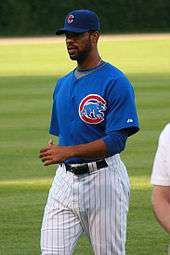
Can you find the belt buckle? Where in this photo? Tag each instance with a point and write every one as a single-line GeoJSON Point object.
{"type": "Point", "coordinates": [81, 170]}
{"type": "Point", "coordinates": [87, 168]}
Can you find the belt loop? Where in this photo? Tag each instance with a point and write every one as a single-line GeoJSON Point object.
{"type": "Point", "coordinates": [92, 166]}
{"type": "Point", "coordinates": [64, 165]}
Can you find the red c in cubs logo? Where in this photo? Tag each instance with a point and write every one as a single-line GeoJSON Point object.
{"type": "Point", "coordinates": [92, 108]}
{"type": "Point", "coordinates": [70, 19]}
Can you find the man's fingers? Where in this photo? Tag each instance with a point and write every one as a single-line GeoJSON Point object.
{"type": "Point", "coordinates": [43, 154]}
{"type": "Point", "coordinates": [50, 162]}
{"type": "Point", "coordinates": [44, 149]}
{"type": "Point", "coordinates": [46, 158]}
{"type": "Point", "coordinates": [49, 154]}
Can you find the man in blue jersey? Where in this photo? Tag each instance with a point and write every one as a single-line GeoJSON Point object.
{"type": "Point", "coordinates": [93, 115]}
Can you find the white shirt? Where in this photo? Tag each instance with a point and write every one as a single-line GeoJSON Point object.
{"type": "Point", "coordinates": [161, 166]}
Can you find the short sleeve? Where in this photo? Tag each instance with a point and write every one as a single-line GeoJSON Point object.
{"type": "Point", "coordinates": [54, 128]}
{"type": "Point", "coordinates": [161, 165]}
{"type": "Point", "coordinates": [54, 124]}
{"type": "Point", "coordinates": [121, 111]}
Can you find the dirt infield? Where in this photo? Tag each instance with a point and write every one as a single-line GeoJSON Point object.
{"type": "Point", "coordinates": [55, 39]}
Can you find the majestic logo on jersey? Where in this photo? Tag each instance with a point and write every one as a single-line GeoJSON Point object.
{"type": "Point", "coordinates": [129, 120]}
{"type": "Point", "coordinates": [70, 19]}
{"type": "Point", "coordinates": [92, 108]}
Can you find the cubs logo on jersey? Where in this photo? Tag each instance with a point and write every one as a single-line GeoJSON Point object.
{"type": "Point", "coordinates": [92, 108]}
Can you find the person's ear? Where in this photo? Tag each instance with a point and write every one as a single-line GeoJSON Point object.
{"type": "Point", "coordinates": [94, 36]}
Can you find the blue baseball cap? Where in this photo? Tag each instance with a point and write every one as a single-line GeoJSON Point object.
{"type": "Point", "coordinates": [79, 21]}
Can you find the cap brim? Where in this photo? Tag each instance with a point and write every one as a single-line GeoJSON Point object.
{"type": "Point", "coordinates": [60, 31]}
{"type": "Point", "coordinates": [71, 30]}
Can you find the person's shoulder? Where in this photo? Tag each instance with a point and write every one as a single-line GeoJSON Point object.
{"type": "Point", "coordinates": [113, 71]}
{"type": "Point", "coordinates": [165, 134]}
{"type": "Point", "coordinates": [166, 130]}
{"type": "Point", "coordinates": [61, 81]}
{"type": "Point", "coordinates": [65, 77]}
{"type": "Point", "coordinates": [116, 78]}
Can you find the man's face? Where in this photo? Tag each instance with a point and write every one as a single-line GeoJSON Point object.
{"type": "Point", "coordinates": [78, 45]}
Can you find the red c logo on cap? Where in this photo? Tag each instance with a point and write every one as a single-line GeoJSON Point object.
{"type": "Point", "coordinates": [70, 19]}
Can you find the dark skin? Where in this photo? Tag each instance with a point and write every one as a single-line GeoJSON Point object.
{"type": "Point", "coordinates": [81, 47]}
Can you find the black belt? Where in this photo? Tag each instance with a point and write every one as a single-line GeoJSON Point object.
{"type": "Point", "coordinates": [86, 168]}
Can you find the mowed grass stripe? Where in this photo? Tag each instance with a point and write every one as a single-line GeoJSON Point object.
{"type": "Point", "coordinates": [45, 182]}
{"type": "Point", "coordinates": [141, 182]}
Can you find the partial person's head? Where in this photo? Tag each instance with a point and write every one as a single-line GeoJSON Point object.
{"type": "Point", "coordinates": [81, 29]}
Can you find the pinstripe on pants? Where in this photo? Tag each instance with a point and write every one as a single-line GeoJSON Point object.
{"type": "Point", "coordinates": [95, 203]}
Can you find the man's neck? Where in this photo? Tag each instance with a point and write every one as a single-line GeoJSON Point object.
{"type": "Point", "coordinates": [90, 62]}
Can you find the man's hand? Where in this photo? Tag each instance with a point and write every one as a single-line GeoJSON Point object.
{"type": "Point", "coordinates": [54, 154]}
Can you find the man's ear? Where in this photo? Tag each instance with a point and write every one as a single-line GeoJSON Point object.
{"type": "Point", "coordinates": [95, 36]}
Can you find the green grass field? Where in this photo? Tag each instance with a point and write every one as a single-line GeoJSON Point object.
{"type": "Point", "coordinates": [27, 77]}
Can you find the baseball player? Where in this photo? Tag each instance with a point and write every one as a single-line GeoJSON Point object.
{"type": "Point", "coordinates": [161, 180]}
{"type": "Point", "coordinates": [93, 115]}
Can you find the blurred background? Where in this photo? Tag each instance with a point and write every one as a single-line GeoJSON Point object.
{"type": "Point", "coordinates": [37, 17]}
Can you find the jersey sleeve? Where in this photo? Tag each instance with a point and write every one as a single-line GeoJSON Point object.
{"type": "Point", "coordinates": [161, 165]}
{"type": "Point", "coordinates": [115, 142]}
{"type": "Point", "coordinates": [54, 128]}
{"type": "Point", "coordinates": [121, 111]}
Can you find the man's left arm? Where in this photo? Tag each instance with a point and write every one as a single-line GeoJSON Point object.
{"type": "Point", "coordinates": [161, 205]}
{"type": "Point", "coordinates": [104, 147]}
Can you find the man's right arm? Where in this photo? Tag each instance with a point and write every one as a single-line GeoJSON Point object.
{"type": "Point", "coordinates": [161, 180]}
{"type": "Point", "coordinates": [161, 205]}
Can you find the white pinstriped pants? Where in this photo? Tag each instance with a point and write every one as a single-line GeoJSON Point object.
{"type": "Point", "coordinates": [95, 203]}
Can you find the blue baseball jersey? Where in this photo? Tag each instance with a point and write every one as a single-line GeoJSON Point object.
{"type": "Point", "coordinates": [90, 107]}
